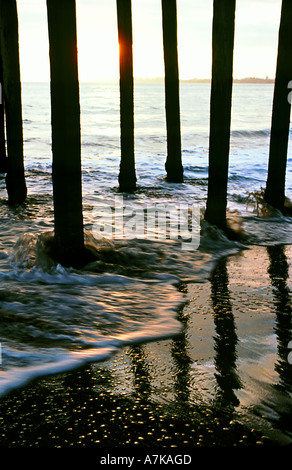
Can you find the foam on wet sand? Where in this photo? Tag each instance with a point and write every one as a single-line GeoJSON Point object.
{"type": "Point", "coordinates": [224, 381]}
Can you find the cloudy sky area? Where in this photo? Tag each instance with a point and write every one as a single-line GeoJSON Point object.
{"type": "Point", "coordinates": [256, 38]}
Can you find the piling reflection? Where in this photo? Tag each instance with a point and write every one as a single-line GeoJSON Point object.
{"type": "Point", "coordinates": [226, 339]}
{"type": "Point", "coordinates": [140, 371]}
{"type": "Point", "coordinates": [279, 274]}
{"type": "Point", "coordinates": [182, 363]}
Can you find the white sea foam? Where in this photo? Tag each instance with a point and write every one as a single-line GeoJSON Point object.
{"type": "Point", "coordinates": [53, 318]}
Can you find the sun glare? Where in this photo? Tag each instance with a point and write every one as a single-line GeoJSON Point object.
{"type": "Point", "coordinates": [98, 51]}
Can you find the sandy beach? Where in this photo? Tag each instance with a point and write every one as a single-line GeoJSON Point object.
{"type": "Point", "coordinates": [224, 381]}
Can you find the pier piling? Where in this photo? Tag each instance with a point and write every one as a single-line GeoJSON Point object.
{"type": "Point", "coordinates": [173, 165]}
{"type": "Point", "coordinates": [11, 88]}
{"type": "Point", "coordinates": [127, 174]}
{"type": "Point", "coordinates": [3, 157]}
{"type": "Point", "coordinates": [66, 145]}
{"type": "Point", "coordinates": [275, 187]}
{"type": "Point", "coordinates": [220, 110]}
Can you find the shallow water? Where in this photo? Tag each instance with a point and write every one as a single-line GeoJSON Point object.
{"type": "Point", "coordinates": [52, 318]}
{"type": "Point", "coordinates": [223, 382]}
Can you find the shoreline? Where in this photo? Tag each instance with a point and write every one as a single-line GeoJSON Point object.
{"type": "Point", "coordinates": [224, 381]}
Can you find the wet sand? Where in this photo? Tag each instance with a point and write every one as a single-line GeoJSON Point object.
{"type": "Point", "coordinates": [224, 382]}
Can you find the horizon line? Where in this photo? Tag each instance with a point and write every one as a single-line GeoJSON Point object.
{"type": "Point", "coordinates": [161, 79]}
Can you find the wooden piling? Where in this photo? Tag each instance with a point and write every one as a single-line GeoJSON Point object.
{"type": "Point", "coordinates": [66, 142]}
{"type": "Point", "coordinates": [275, 187]}
{"type": "Point", "coordinates": [173, 165]}
{"type": "Point", "coordinates": [127, 174]}
{"type": "Point", "coordinates": [220, 110]}
{"type": "Point", "coordinates": [11, 88]}
{"type": "Point", "coordinates": [3, 158]}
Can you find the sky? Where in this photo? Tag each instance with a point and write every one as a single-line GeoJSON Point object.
{"type": "Point", "coordinates": [255, 52]}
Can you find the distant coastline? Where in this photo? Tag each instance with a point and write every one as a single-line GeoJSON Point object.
{"type": "Point", "coordinates": [253, 80]}
{"type": "Point", "coordinates": [236, 80]}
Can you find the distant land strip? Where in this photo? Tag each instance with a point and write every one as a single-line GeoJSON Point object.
{"type": "Point", "coordinates": [208, 80]}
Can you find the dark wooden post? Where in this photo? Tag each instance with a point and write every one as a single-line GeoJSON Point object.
{"type": "Point", "coordinates": [127, 175]}
{"type": "Point", "coordinates": [3, 158]}
{"type": "Point", "coordinates": [173, 165]}
{"type": "Point", "coordinates": [220, 112]}
{"type": "Point", "coordinates": [275, 188]}
{"type": "Point", "coordinates": [279, 272]}
{"type": "Point", "coordinates": [66, 146]}
{"type": "Point", "coordinates": [225, 340]}
{"type": "Point", "coordinates": [9, 52]}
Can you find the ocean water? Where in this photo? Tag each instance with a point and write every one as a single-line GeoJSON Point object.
{"type": "Point", "coordinates": [54, 319]}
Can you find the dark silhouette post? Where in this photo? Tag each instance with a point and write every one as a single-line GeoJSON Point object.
{"type": "Point", "coordinates": [279, 275]}
{"type": "Point", "coordinates": [3, 158]}
{"type": "Point", "coordinates": [182, 364]}
{"type": "Point", "coordinates": [275, 187]}
{"type": "Point", "coordinates": [220, 112]}
{"type": "Point", "coordinates": [173, 165]}
{"type": "Point", "coordinates": [225, 340]}
{"type": "Point", "coordinates": [140, 369]}
{"type": "Point", "coordinates": [127, 175]}
{"type": "Point", "coordinates": [11, 87]}
{"type": "Point", "coordinates": [66, 146]}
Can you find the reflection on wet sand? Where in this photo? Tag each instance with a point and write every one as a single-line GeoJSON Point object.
{"type": "Point", "coordinates": [279, 274]}
{"type": "Point", "coordinates": [182, 364]}
{"type": "Point", "coordinates": [225, 340]}
{"type": "Point", "coordinates": [190, 390]}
